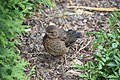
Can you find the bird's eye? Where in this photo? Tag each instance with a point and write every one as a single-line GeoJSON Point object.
{"type": "Point", "coordinates": [50, 32]}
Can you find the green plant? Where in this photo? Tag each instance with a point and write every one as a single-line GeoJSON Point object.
{"type": "Point", "coordinates": [106, 65]}
{"type": "Point", "coordinates": [10, 27]}
{"type": "Point", "coordinates": [12, 14]}
{"type": "Point", "coordinates": [32, 71]}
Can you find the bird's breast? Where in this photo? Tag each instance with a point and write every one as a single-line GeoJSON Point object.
{"type": "Point", "coordinates": [55, 46]}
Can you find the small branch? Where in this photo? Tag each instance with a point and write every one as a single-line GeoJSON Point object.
{"type": "Point", "coordinates": [84, 46]}
{"type": "Point", "coordinates": [78, 13]}
{"type": "Point", "coordinates": [92, 8]}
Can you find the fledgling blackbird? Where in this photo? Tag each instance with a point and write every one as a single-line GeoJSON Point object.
{"type": "Point", "coordinates": [56, 41]}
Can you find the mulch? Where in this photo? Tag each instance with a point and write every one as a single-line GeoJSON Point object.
{"type": "Point", "coordinates": [48, 67]}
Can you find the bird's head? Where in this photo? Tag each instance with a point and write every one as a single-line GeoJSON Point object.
{"type": "Point", "coordinates": [52, 31]}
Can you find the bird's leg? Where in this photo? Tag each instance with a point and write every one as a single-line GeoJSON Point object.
{"type": "Point", "coordinates": [62, 63]}
{"type": "Point", "coordinates": [65, 60]}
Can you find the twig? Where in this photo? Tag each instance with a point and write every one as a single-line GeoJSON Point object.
{"type": "Point", "coordinates": [83, 47]}
{"type": "Point", "coordinates": [78, 13]}
{"type": "Point", "coordinates": [92, 8]}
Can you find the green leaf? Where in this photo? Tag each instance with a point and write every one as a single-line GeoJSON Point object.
{"type": "Point", "coordinates": [100, 66]}
{"type": "Point", "coordinates": [83, 76]}
{"type": "Point", "coordinates": [119, 71]}
{"type": "Point", "coordinates": [117, 58]}
{"type": "Point", "coordinates": [76, 66]}
{"type": "Point", "coordinates": [100, 47]}
{"type": "Point", "coordinates": [116, 74]}
{"type": "Point", "coordinates": [21, 5]}
{"type": "Point", "coordinates": [111, 64]}
{"type": "Point", "coordinates": [115, 45]}
{"type": "Point", "coordinates": [112, 76]}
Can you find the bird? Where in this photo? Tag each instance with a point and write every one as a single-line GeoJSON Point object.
{"type": "Point", "coordinates": [57, 41]}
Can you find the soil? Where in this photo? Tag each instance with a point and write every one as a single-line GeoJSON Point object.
{"type": "Point", "coordinates": [47, 67]}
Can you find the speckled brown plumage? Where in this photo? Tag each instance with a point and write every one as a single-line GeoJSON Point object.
{"type": "Point", "coordinates": [56, 41]}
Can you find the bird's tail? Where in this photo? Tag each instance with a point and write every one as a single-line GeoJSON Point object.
{"type": "Point", "coordinates": [73, 33]}
{"type": "Point", "coordinates": [72, 36]}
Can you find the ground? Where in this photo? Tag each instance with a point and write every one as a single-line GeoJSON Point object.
{"type": "Point", "coordinates": [48, 67]}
